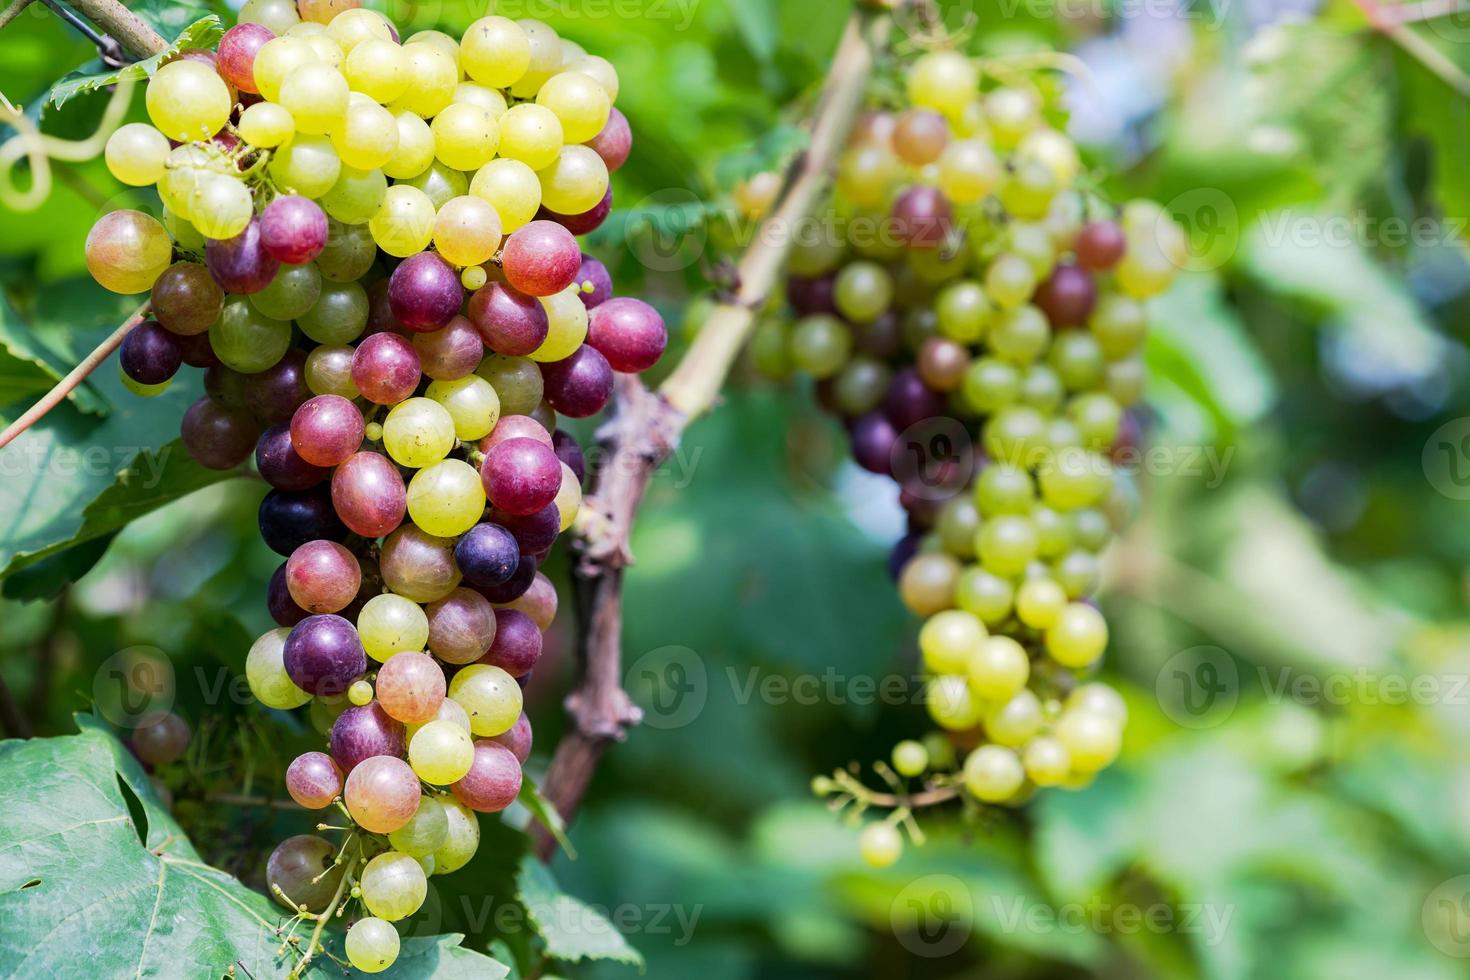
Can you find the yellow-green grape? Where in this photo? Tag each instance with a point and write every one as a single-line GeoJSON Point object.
{"type": "Point", "coordinates": [1011, 113]}
{"type": "Point", "coordinates": [880, 844]}
{"type": "Point", "coordinates": [489, 99]}
{"type": "Point", "coordinates": [968, 171]}
{"type": "Point", "coordinates": [393, 886]}
{"type": "Point", "coordinates": [1004, 489]}
{"type": "Point", "coordinates": [993, 773]}
{"type": "Point", "coordinates": [576, 182]}
{"type": "Point", "coordinates": [863, 292]}
{"type": "Point", "coordinates": [265, 672]}
{"type": "Point", "coordinates": [328, 52]}
{"type": "Point", "coordinates": [447, 498]}
{"type": "Point", "coordinates": [949, 639]}
{"type": "Point", "coordinates": [1041, 388]}
{"type": "Point", "coordinates": [952, 704]}
{"type": "Point", "coordinates": [428, 828]}
{"type": "Point", "coordinates": [1074, 479]}
{"type": "Point", "coordinates": [247, 340]}
{"type": "Point", "coordinates": [353, 28]}
{"type": "Point", "coordinates": [439, 39]}
{"type": "Point", "coordinates": [185, 167]}
{"type": "Point", "coordinates": [1015, 721]}
{"type": "Point", "coordinates": [910, 758]}
{"type": "Point", "coordinates": [1077, 359]}
{"type": "Point", "coordinates": [278, 58]}
{"type": "Point", "coordinates": [1028, 189]}
{"type": "Point", "coordinates": [339, 316]}
{"type": "Point", "coordinates": [1099, 698]}
{"type": "Point", "coordinates": [866, 174]}
{"type": "Point", "coordinates": [1053, 149]}
{"type": "Point", "coordinates": [1078, 573]}
{"type": "Point", "coordinates": [465, 136]}
{"type": "Point", "coordinates": [820, 345]}
{"type": "Point", "coordinates": [1020, 335]}
{"type": "Point", "coordinates": [1034, 243]}
{"type": "Point", "coordinates": [368, 137]}
{"type": "Point", "coordinates": [1146, 270]}
{"type": "Point", "coordinates": [136, 154]}
{"type": "Point", "coordinates": [963, 311]}
{"type": "Point", "coordinates": [945, 81]}
{"type": "Point", "coordinates": [927, 584]}
{"type": "Point", "coordinates": [1078, 637]}
{"type": "Point", "coordinates": [546, 58]}
{"type": "Point", "coordinates": [377, 68]}
{"type": "Point", "coordinates": [579, 101]}
{"type": "Point", "coordinates": [266, 125]}
{"type": "Point", "coordinates": [418, 432]}
{"type": "Point", "coordinates": [308, 165]}
{"type": "Point", "coordinates": [1047, 761]}
{"type": "Point", "coordinates": [473, 277]}
{"type": "Point", "coordinates": [531, 134]}
{"type": "Point", "coordinates": [1009, 281]}
{"type": "Point", "coordinates": [990, 385]}
{"type": "Point", "coordinates": [1098, 418]}
{"type": "Point", "coordinates": [1016, 434]}
{"type": "Point", "coordinates": [183, 232]}
{"type": "Point", "coordinates": [571, 51]}
{"type": "Point", "coordinates": [1093, 740]}
{"type": "Point", "coordinates": [279, 15]}
{"type": "Point", "coordinates": [441, 183]}
{"type": "Point", "coordinates": [495, 51]}
{"type": "Point", "coordinates": [1053, 531]}
{"type": "Point", "coordinates": [471, 403]}
{"type": "Point", "coordinates": [449, 711]}
{"type": "Point", "coordinates": [1039, 603]}
{"type": "Point", "coordinates": [404, 224]}
{"type": "Point", "coordinates": [940, 749]}
{"type": "Point", "coordinates": [371, 943]}
{"type": "Point", "coordinates": [441, 753]}
{"type": "Point", "coordinates": [221, 207]}
{"type": "Point", "coordinates": [463, 838]}
{"type": "Point", "coordinates": [985, 594]}
{"type": "Point", "coordinates": [360, 693]}
{"type": "Point", "coordinates": [187, 101]}
{"type": "Point", "coordinates": [146, 391]}
{"type": "Point", "coordinates": [1006, 544]}
{"type": "Point", "coordinates": [356, 196]}
{"type": "Point", "coordinates": [1119, 324]}
{"type": "Point", "coordinates": [415, 152]}
{"type": "Point", "coordinates": [602, 70]}
{"type": "Point", "coordinates": [512, 188]}
{"type": "Point", "coordinates": [316, 97]}
{"type": "Point", "coordinates": [329, 372]}
{"type": "Point", "coordinates": [390, 624]}
{"type": "Point", "coordinates": [432, 79]}
{"type": "Point", "coordinates": [815, 255]}
{"type": "Point", "coordinates": [490, 696]}
{"type": "Point", "coordinates": [566, 317]}
{"type": "Point", "coordinates": [770, 348]}
{"type": "Point", "coordinates": [998, 668]}
{"type": "Point", "coordinates": [467, 231]}
{"type": "Point", "coordinates": [568, 497]}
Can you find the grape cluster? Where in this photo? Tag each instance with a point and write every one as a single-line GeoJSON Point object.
{"type": "Point", "coordinates": [370, 247]}
{"type": "Point", "coordinates": [976, 293]}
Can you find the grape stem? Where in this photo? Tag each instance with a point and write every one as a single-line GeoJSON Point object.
{"type": "Point", "coordinates": [73, 378]}
{"type": "Point", "coordinates": [130, 30]}
{"type": "Point", "coordinates": [645, 429]}
{"type": "Point", "coordinates": [13, 11]}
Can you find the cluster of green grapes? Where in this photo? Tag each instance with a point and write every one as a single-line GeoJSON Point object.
{"type": "Point", "coordinates": [370, 247]}
{"type": "Point", "coordinates": [973, 287]}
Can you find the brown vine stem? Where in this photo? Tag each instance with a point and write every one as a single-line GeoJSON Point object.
{"type": "Point", "coordinates": [646, 428]}
{"type": "Point", "coordinates": [16, 8]}
{"type": "Point", "coordinates": [130, 30]}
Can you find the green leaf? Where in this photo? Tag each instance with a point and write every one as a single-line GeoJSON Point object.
{"type": "Point", "coordinates": [757, 22]}
{"type": "Point", "coordinates": [202, 33]}
{"type": "Point", "coordinates": [772, 151]}
{"type": "Point", "coordinates": [541, 808]}
{"type": "Point", "coordinates": [30, 365]}
{"type": "Point", "coordinates": [571, 930]}
{"type": "Point", "coordinates": [47, 577]}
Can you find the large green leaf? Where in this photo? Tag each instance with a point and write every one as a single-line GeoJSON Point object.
{"type": "Point", "coordinates": [202, 33]}
{"type": "Point", "coordinates": [572, 930]}
{"type": "Point", "coordinates": [27, 365]}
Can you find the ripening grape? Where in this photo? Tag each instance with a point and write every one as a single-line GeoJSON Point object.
{"type": "Point", "coordinates": [393, 884]}
{"type": "Point", "coordinates": [426, 831]}
{"type": "Point", "coordinates": [371, 945]}
{"type": "Point", "coordinates": [313, 780]}
{"type": "Point", "coordinates": [417, 565]}
{"type": "Point", "coordinates": [303, 869]}
{"type": "Point", "coordinates": [381, 793]}
{"type": "Point", "coordinates": [880, 845]}
{"type": "Point", "coordinates": [127, 251]}
{"type": "Point", "coordinates": [467, 230]}
{"type": "Point", "coordinates": [246, 340]}
{"type": "Point", "coordinates": [329, 372]}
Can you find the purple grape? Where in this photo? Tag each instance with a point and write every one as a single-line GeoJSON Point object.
{"type": "Point", "coordinates": [186, 299]}
{"type": "Point", "coordinates": [289, 520]}
{"type": "Point", "coordinates": [368, 494]}
{"type": "Point", "coordinates": [565, 445]}
{"type": "Point", "coordinates": [1100, 245]}
{"type": "Point", "coordinates": [1067, 297]}
{"type": "Point", "coordinates": [218, 436]}
{"type": "Point", "coordinates": [629, 333]}
{"type": "Point", "coordinates": [518, 739]}
{"type": "Point", "coordinates": [903, 552]}
{"type": "Point", "coordinates": [534, 533]}
{"type": "Point", "coordinates": [922, 217]}
{"type": "Point", "coordinates": [595, 282]}
{"type": "Point", "coordinates": [615, 141]}
{"type": "Point", "coordinates": [585, 223]}
{"type": "Point", "coordinates": [385, 368]}
{"type": "Point", "coordinates": [487, 555]}
{"type": "Point", "coordinates": [517, 644]}
{"type": "Point", "coordinates": [313, 780]}
{"type": "Point", "coordinates": [241, 264]}
{"type": "Point", "coordinates": [883, 337]}
{"type": "Point", "coordinates": [509, 322]}
{"type": "Point", "coordinates": [150, 355]}
{"type": "Point", "coordinates": [424, 293]}
{"type": "Point", "coordinates": [275, 393]}
{"type": "Point", "coordinates": [581, 385]}
{"type": "Point", "coordinates": [452, 352]}
{"type": "Point", "coordinates": [380, 311]}
{"type": "Point", "coordinates": [910, 401]}
{"type": "Point", "coordinates": [516, 427]}
{"type": "Point", "coordinates": [494, 779]}
{"type": "Point", "coordinates": [293, 229]}
{"type": "Point", "coordinates": [521, 476]}
{"type": "Point", "coordinates": [326, 430]}
{"type": "Point", "coordinates": [808, 297]}
{"type": "Point", "coordinates": [873, 436]}
{"type": "Point", "coordinates": [280, 466]}
{"type": "Point", "coordinates": [515, 586]}
{"type": "Point", "coordinates": [362, 732]}
{"type": "Point", "coordinates": [278, 601]}
{"type": "Point", "coordinates": [197, 351]}
{"type": "Point", "coordinates": [225, 386]}
{"type": "Point", "coordinates": [541, 258]}
{"type": "Point", "coordinates": [324, 655]}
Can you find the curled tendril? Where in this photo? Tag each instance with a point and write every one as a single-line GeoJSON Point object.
{"type": "Point", "coordinates": [29, 143]}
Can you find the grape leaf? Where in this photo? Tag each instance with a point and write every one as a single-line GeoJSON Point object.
{"type": "Point", "coordinates": [27, 364]}
{"type": "Point", "coordinates": [773, 151]}
{"type": "Point", "coordinates": [572, 930]}
{"type": "Point", "coordinates": [530, 797]}
{"type": "Point", "coordinates": [757, 22]}
{"type": "Point", "coordinates": [203, 33]}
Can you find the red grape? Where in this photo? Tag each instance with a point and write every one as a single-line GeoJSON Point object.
{"type": "Point", "coordinates": [595, 285]}
{"type": "Point", "coordinates": [186, 299]}
{"type": "Point", "coordinates": [541, 258]}
{"type": "Point", "coordinates": [569, 452]}
{"type": "Point", "coordinates": [494, 779]}
{"type": "Point", "coordinates": [581, 385]}
{"type": "Point", "coordinates": [293, 229]}
{"type": "Point", "coordinates": [424, 293]}
{"type": "Point", "coordinates": [586, 222]}
{"type": "Point", "coordinates": [281, 466]}
{"type": "Point", "coordinates": [368, 493]}
{"type": "Point", "coordinates": [385, 368]}
{"type": "Point", "coordinates": [326, 430]}
{"type": "Point", "coordinates": [1100, 245]}
{"type": "Point", "coordinates": [278, 601]}
{"type": "Point", "coordinates": [218, 436]}
{"type": "Point", "coordinates": [516, 427]}
{"type": "Point", "coordinates": [461, 627]}
{"type": "Point", "coordinates": [323, 576]}
{"type": "Point", "coordinates": [289, 520]}
{"type": "Point", "coordinates": [451, 352]}
{"type": "Point", "coordinates": [241, 264]}
{"type": "Point", "coordinates": [363, 732]}
{"type": "Point", "coordinates": [922, 217]}
{"type": "Point", "coordinates": [509, 322]}
{"type": "Point", "coordinates": [534, 533]}
{"type": "Point", "coordinates": [150, 355]}
{"type": "Point", "coordinates": [873, 436]}
{"type": "Point", "coordinates": [517, 644]}
{"type": "Point", "coordinates": [1067, 297]}
{"type": "Point", "coordinates": [313, 780]}
{"type": "Point", "coordinates": [909, 401]}
{"type": "Point", "coordinates": [521, 476]}
{"type": "Point", "coordinates": [275, 393]}
{"type": "Point", "coordinates": [323, 654]}
{"type": "Point", "coordinates": [615, 141]}
{"type": "Point", "coordinates": [629, 333]}
{"type": "Point", "coordinates": [237, 50]}
{"type": "Point", "coordinates": [487, 555]}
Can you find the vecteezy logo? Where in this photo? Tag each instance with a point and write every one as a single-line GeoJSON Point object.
{"type": "Point", "coordinates": [1446, 917]}
{"type": "Point", "coordinates": [933, 916]}
{"type": "Point", "coordinates": [1198, 687]}
{"type": "Point", "coordinates": [667, 231]}
{"type": "Point", "coordinates": [1211, 227]}
{"type": "Point", "coordinates": [933, 459]}
{"type": "Point", "coordinates": [671, 684]}
{"type": "Point", "coordinates": [134, 687]}
{"type": "Point", "coordinates": [1446, 459]}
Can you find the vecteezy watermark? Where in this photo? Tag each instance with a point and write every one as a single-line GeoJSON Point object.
{"type": "Point", "coordinates": [137, 464]}
{"type": "Point", "coordinates": [962, 15]}
{"type": "Point", "coordinates": [1445, 917]}
{"type": "Point", "coordinates": [671, 684]}
{"type": "Point", "coordinates": [1100, 916]}
{"type": "Point", "coordinates": [1198, 687]}
{"type": "Point", "coordinates": [134, 687]}
{"type": "Point", "coordinates": [1446, 459]}
{"type": "Point", "coordinates": [933, 916]}
{"type": "Point", "coordinates": [933, 459]}
{"type": "Point", "coordinates": [415, 12]}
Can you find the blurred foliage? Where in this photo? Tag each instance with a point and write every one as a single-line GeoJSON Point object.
{"type": "Point", "coordinates": [1289, 609]}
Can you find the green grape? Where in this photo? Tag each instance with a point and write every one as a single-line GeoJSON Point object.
{"type": "Point", "coordinates": [220, 206]}
{"type": "Point", "coordinates": [998, 668]}
{"type": "Point", "coordinates": [990, 385]}
{"type": "Point", "coordinates": [467, 231]}
{"type": "Point", "coordinates": [360, 693]}
{"type": "Point", "coordinates": [1041, 389]}
{"type": "Point", "coordinates": [328, 52]}
{"type": "Point", "coordinates": [418, 432]}
{"type": "Point", "coordinates": [512, 188]}
{"type": "Point", "coordinates": [985, 594]}
{"type": "Point", "coordinates": [1091, 739]}
{"type": "Point", "coordinates": [864, 291]}
{"type": "Point", "coordinates": [404, 224]}
{"type": "Point", "coordinates": [944, 81]}
{"type": "Point", "coordinates": [1006, 544]}
{"type": "Point", "coordinates": [1004, 489]}
{"type": "Point", "coordinates": [1075, 479]}
{"type": "Point", "coordinates": [816, 257]}
{"type": "Point", "coordinates": [136, 153]}
{"type": "Point", "coordinates": [1078, 637]}
{"type": "Point", "coordinates": [486, 98]}
{"type": "Point", "coordinates": [246, 340]}
{"type": "Point", "coordinates": [339, 315]}
{"type": "Point", "coordinates": [1124, 379]}
{"type": "Point", "coordinates": [1077, 359]}
{"type": "Point", "coordinates": [276, 60]}
{"type": "Point", "coordinates": [1028, 189]}
{"type": "Point", "coordinates": [473, 277]}
{"type": "Point", "coordinates": [1039, 603]}
{"type": "Point", "coordinates": [1061, 436]}
{"type": "Point", "coordinates": [390, 624]}
{"type": "Point", "coordinates": [1016, 435]}
{"type": "Point", "coordinates": [266, 125]}
{"type": "Point", "coordinates": [820, 345]}
{"type": "Point", "coordinates": [993, 773]}
{"type": "Point", "coordinates": [860, 386]}
{"type": "Point", "coordinates": [568, 497]}
{"type": "Point", "coordinates": [952, 704]}
{"type": "Point", "coordinates": [316, 97]}
{"type": "Point", "coordinates": [1101, 699]}
{"type": "Point", "coordinates": [1053, 531]}
{"type": "Point", "coordinates": [356, 196]}
{"type": "Point", "coordinates": [546, 58]}
{"type": "Point", "coordinates": [516, 380]}
{"type": "Point", "coordinates": [432, 78]}
{"type": "Point", "coordinates": [1033, 242]}
{"type": "Point", "coordinates": [441, 182]}
{"type": "Point", "coordinates": [463, 838]}
{"type": "Point", "coordinates": [372, 945]}
{"type": "Point", "coordinates": [1119, 324]}
{"type": "Point", "coordinates": [1078, 572]}
{"type": "Point", "coordinates": [566, 317]}
{"type": "Point", "coordinates": [770, 349]}
{"type": "Point", "coordinates": [349, 254]}
{"type": "Point", "coordinates": [910, 758]}
{"type": "Point", "coordinates": [357, 26]}
{"type": "Point", "coordinates": [428, 828]}
{"type": "Point", "coordinates": [579, 103]}
{"type": "Point", "coordinates": [940, 749]}
{"type": "Point", "coordinates": [880, 845]}
{"type": "Point", "coordinates": [279, 15]}
{"type": "Point", "coordinates": [471, 403]}
{"type": "Point", "coordinates": [1009, 281]}
{"type": "Point", "coordinates": [968, 171]}
{"type": "Point", "coordinates": [531, 134]}
{"type": "Point", "coordinates": [308, 165]}
{"type": "Point", "coordinates": [188, 101]}
{"type": "Point", "coordinates": [1011, 113]}
{"type": "Point", "coordinates": [956, 524]}
{"type": "Point", "coordinates": [465, 136]}
{"type": "Point", "coordinates": [937, 265]}
{"type": "Point", "coordinates": [866, 174]}
{"type": "Point", "coordinates": [368, 138]}
{"type": "Point", "coordinates": [377, 68]}
{"type": "Point", "coordinates": [291, 293]}
{"type": "Point", "coordinates": [1047, 761]}
{"type": "Point", "coordinates": [140, 389]}
{"type": "Point", "coordinates": [415, 152]}
{"type": "Point", "coordinates": [329, 372]}
{"type": "Point", "coordinates": [184, 234]}
{"type": "Point", "coordinates": [964, 312]}
{"type": "Point", "coordinates": [575, 182]}
{"type": "Point", "coordinates": [393, 886]}
{"type": "Point", "coordinates": [1098, 418]}
{"type": "Point", "coordinates": [949, 640]}
{"type": "Point", "coordinates": [446, 498]}
{"type": "Point", "coordinates": [490, 696]}
{"type": "Point", "coordinates": [440, 752]}
{"type": "Point", "coordinates": [265, 672]}
{"type": "Point", "coordinates": [1015, 721]}
{"type": "Point", "coordinates": [1020, 335]}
